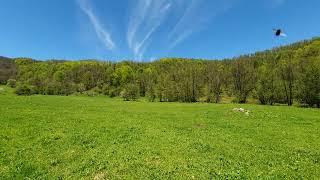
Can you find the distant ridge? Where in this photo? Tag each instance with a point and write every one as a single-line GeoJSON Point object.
{"type": "Point", "coordinates": [4, 58]}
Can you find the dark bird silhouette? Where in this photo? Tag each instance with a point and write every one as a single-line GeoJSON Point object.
{"type": "Point", "coordinates": [278, 32]}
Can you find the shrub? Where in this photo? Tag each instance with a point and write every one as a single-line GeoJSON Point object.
{"type": "Point", "coordinates": [113, 92]}
{"type": "Point", "coordinates": [91, 93]}
{"type": "Point", "coordinates": [12, 83]}
{"type": "Point", "coordinates": [105, 89]}
{"type": "Point", "coordinates": [81, 88]}
{"type": "Point", "coordinates": [97, 90]}
{"type": "Point", "coordinates": [24, 89]}
{"type": "Point", "coordinates": [51, 89]}
{"type": "Point", "coordinates": [68, 88]}
{"type": "Point", "coordinates": [130, 92]}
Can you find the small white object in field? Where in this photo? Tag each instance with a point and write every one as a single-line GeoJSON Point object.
{"type": "Point", "coordinates": [242, 110]}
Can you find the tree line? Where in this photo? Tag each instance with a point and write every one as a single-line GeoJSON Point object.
{"type": "Point", "coordinates": [7, 69]}
{"type": "Point", "coordinates": [282, 75]}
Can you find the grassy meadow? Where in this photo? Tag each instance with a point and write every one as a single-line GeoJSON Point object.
{"type": "Point", "coordinates": [72, 137]}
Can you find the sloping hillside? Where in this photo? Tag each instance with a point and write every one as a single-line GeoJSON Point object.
{"type": "Point", "coordinates": [7, 69]}
{"type": "Point", "coordinates": [285, 75]}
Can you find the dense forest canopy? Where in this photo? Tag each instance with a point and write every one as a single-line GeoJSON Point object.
{"type": "Point", "coordinates": [284, 75]}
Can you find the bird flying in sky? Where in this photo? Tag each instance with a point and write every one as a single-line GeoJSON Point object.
{"type": "Point", "coordinates": [279, 32]}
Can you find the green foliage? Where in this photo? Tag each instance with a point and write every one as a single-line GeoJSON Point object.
{"type": "Point", "coordinates": [123, 74]}
{"type": "Point", "coordinates": [113, 92]}
{"type": "Point", "coordinates": [8, 69]}
{"type": "Point", "coordinates": [282, 75]}
{"type": "Point", "coordinates": [214, 80]}
{"type": "Point", "coordinates": [130, 92]}
{"type": "Point", "coordinates": [105, 89]}
{"type": "Point", "coordinates": [81, 88]}
{"type": "Point", "coordinates": [266, 86]}
{"type": "Point", "coordinates": [59, 76]}
{"type": "Point", "coordinates": [243, 78]}
{"type": "Point", "coordinates": [24, 89]}
{"type": "Point", "coordinates": [52, 88]}
{"type": "Point", "coordinates": [309, 84]}
{"type": "Point", "coordinates": [151, 94]}
{"type": "Point", "coordinates": [12, 83]}
{"type": "Point", "coordinates": [92, 92]}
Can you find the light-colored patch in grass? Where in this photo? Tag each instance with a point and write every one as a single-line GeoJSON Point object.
{"type": "Point", "coordinates": [100, 176]}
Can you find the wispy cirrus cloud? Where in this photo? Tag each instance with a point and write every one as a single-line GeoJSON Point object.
{"type": "Point", "coordinates": [102, 33]}
{"type": "Point", "coordinates": [186, 18]}
{"type": "Point", "coordinates": [146, 17]}
{"type": "Point", "coordinates": [196, 17]}
{"type": "Point", "coordinates": [183, 27]}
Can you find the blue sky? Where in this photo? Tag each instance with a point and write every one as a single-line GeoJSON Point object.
{"type": "Point", "coordinates": [145, 30]}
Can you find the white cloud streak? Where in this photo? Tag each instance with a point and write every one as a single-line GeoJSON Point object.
{"type": "Point", "coordinates": [146, 17]}
{"type": "Point", "coordinates": [183, 29]}
{"type": "Point", "coordinates": [188, 17]}
{"type": "Point", "coordinates": [195, 18]}
{"type": "Point", "coordinates": [103, 34]}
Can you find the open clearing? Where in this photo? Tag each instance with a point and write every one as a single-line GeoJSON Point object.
{"type": "Point", "coordinates": [104, 138]}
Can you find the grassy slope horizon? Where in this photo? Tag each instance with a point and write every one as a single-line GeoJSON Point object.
{"type": "Point", "coordinates": [99, 137]}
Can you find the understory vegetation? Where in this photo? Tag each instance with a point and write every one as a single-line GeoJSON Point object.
{"type": "Point", "coordinates": [282, 75]}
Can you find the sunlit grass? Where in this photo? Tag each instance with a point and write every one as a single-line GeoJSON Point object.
{"type": "Point", "coordinates": [99, 137]}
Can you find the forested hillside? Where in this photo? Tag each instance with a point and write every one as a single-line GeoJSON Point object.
{"type": "Point", "coordinates": [282, 75]}
{"type": "Point", "coordinates": [7, 69]}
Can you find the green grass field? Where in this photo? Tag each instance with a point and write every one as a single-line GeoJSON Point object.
{"type": "Point", "coordinates": [76, 137]}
